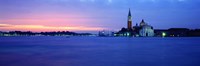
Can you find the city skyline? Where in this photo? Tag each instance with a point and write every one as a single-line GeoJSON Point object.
{"type": "Point", "coordinates": [95, 15]}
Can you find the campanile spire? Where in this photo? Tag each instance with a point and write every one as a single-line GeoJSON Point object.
{"type": "Point", "coordinates": [129, 25]}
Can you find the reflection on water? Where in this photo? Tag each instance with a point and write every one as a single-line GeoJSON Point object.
{"type": "Point", "coordinates": [99, 51]}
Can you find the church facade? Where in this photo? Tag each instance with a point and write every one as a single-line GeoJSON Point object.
{"type": "Point", "coordinates": [141, 30]}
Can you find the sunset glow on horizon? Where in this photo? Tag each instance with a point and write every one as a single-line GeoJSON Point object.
{"type": "Point", "coordinates": [39, 28]}
{"type": "Point", "coordinates": [48, 22]}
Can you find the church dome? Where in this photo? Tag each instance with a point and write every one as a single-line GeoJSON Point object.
{"type": "Point", "coordinates": [142, 23]}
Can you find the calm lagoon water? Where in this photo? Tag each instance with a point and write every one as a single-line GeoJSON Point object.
{"type": "Point", "coordinates": [99, 51]}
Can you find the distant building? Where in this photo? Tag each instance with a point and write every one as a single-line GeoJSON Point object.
{"type": "Point", "coordinates": [105, 33]}
{"type": "Point", "coordinates": [161, 33]}
{"type": "Point", "coordinates": [143, 30]}
{"type": "Point", "coordinates": [177, 32]}
{"type": "Point", "coordinates": [1, 33]}
{"type": "Point", "coordinates": [194, 33]}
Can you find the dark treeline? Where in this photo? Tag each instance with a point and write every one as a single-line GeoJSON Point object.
{"type": "Point", "coordinates": [178, 32]}
{"type": "Point", "coordinates": [29, 33]}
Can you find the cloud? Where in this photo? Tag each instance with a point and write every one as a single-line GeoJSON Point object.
{"type": "Point", "coordinates": [5, 25]}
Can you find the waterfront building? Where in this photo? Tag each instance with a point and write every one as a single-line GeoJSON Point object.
{"type": "Point", "coordinates": [105, 33]}
{"type": "Point", "coordinates": [146, 30]}
{"type": "Point", "coordinates": [143, 30]}
{"type": "Point", "coordinates": [1, 33]}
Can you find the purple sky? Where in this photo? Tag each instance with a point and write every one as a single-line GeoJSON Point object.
{"type": "Point", "coordinates": [94, 15]}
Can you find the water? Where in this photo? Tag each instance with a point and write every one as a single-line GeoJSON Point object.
{"type": "Point", "coordinates": [99, 51]}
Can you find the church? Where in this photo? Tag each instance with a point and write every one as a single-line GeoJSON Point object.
{"type": "Point", "coordinates": [141, 30]}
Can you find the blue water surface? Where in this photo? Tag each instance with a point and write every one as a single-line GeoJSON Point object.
{"type": "Point", "coordinates": [99, 51]}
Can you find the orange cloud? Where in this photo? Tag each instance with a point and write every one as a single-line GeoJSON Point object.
{"type": "Point", "coordinates": [49, 21]}
{"type": "Point", "coordinates": [38, 28]}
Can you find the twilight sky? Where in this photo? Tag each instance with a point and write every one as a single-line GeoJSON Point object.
{"type": "Point", "coordinates": [94, 15]}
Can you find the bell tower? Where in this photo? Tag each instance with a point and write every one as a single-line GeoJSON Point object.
{"type": "Point", "coordinates": [129, 25]}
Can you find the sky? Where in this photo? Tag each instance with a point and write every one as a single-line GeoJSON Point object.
{"type": "Point", "coordinates": [96, 15]}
